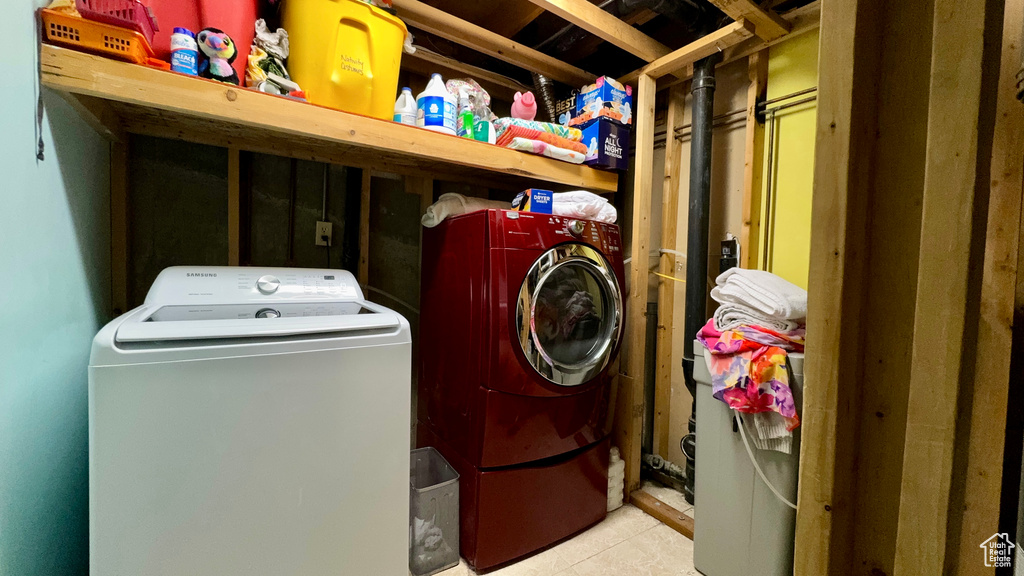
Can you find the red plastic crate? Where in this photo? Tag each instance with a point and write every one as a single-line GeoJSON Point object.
{"type": "Point", "coordinates": [130, 14]}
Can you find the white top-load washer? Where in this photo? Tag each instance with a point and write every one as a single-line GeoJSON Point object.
{"type": "Point", "coordinates": [248, 421]}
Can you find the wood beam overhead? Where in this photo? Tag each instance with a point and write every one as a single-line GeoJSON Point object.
{"type": "Point", "coordinates": [425, 61]}
{"type": "Point", "coordinates": [804, 19]}
{"type": "Point", "coordinates": [767, 25]}
{"type": "Point", "coordinates": [606, 26]}
{"type": "Point", "coordinates": [717, 41]}
{"type": "Point", "coordinates": [509, 24]}
{"type": "Point", "coordinates": [449, 27]}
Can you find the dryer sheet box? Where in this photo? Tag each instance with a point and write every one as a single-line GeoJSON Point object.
{"type": "Point", "coordinates": [534, 200]}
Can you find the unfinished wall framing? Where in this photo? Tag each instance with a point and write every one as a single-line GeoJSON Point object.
{"type": "Point", "coordinates": [966, 230]}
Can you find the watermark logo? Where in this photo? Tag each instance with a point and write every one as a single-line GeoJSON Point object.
{"type": "Point", "coordinates": [998, 551]}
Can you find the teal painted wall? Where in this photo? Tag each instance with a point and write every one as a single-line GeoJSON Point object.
{"type": "Point", "coordinates": [54, 259]}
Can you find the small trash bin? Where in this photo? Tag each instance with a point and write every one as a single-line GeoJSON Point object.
{"type": "Point", "coordinates": [742, 528]}
{"type": "Point", "coordinates": [433, 513]}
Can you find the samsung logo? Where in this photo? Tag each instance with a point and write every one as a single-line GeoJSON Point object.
{"type": "Point", "coordinates": [201, 275]}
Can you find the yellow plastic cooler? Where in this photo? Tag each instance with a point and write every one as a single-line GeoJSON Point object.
{"type": "Point", "coordinates": [345, 54]}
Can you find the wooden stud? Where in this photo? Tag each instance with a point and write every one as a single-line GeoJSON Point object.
{"type": "Point", "coordinates": [703, 47]}
{"type": "Point", "coordinates": [767, 24]}
{"type": "Point", "coordinates": [666, 353]}
{"type": "Point", "coordinates": [234, 207]}
{"type": "Point", "coordinates": [753, 161]}
{"type": "Point", "coordinates": [835, 304]}
{"type": "Point", "coordinates": [995, 325]}
{"type": "Point", "coordinates": [119, 226]}
{"type": "Point", "coordinates": [364, 228]}
{"type": "Point", "coordinates": [194, 109]}
{"type": "Point", "coordinates": [440, 23]}
{"type": "Point", "coordinates": [606, 26]}
{"type": "Point", "coordinates": [675, 519]}
{"type": "Point", "coordinates": [631, 393]}
{"type": "Point", "coordinates": [951, 169]}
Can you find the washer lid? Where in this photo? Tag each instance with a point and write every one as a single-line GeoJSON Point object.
{"type": "Point", "coordinates": [254, 320]}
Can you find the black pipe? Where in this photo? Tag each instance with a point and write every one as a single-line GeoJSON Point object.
{"type": "Point", "coordinates": [703, 90]}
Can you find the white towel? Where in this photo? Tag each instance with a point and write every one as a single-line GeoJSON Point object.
{"type": "Point", "coordinates": [762, 291]}
{"type": "Point", "coordinates": [583, 204]}
{"type": "Point", "coordinates": [452, 204]}
{"type": "Point", "coordinates": [729, 316]}
{"type": "Point", "coordinates": [770, 432]}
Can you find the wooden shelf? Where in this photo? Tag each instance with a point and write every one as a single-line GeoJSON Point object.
{"type": "Point", "coordinates": [117, 97]}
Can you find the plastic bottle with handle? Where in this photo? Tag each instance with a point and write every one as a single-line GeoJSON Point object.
{"type": "Point", "coordinates": [405, 108]}
{"type": "Point", "coordinates": [436, 107]}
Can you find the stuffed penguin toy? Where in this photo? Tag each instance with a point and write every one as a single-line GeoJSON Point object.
{"type": "Point", "coordinates": [220, 52]}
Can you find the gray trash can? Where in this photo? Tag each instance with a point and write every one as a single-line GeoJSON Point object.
{"type": "Point", "coordinates": [433, 513]}
{"type": "Point", "coordinates": [741, 527]}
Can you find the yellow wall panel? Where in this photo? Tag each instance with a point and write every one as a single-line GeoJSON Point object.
{"type": "Point", "coordinates": [786, 208]}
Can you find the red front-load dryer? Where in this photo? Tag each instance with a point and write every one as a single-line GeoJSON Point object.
{"type": "Point", "coordinates": [521, 316]}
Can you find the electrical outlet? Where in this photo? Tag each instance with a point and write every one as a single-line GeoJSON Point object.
{"type": "Point", "coordinates": [323, 229]}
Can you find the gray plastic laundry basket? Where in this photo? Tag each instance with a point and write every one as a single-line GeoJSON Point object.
{"type": "Point", "coordinates": [741, 527]}
{"type": "Point", "coordinates": [433, 513]}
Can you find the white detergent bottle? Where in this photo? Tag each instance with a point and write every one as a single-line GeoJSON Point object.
{"type": "Point", "coordinates": [436, 107]}
{"type": "Point", "coordinates": [405, 108]}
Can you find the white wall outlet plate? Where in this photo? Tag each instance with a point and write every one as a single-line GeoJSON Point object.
{"type": "Point", "coordinates": [324, 229]}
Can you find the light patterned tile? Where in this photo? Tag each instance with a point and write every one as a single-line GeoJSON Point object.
{"type": "Point", "coordinates": [593, 541]}
{"type": "Point", "coordinates": [625, 558]}
{"type": "Point", "coordinates": [670, 546]}
{"type": "Point", "coordinates": [462, 569]}
{"type": "Point", "coordinates": [546, 563]}
{"type": "Point", "coordinates": [669, 496]}
{"type": "Point", "coordinates": [629, 521]}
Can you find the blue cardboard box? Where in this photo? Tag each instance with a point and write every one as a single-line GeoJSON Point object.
{"type": "Point", "coordinates": [533, 200]}
{"type": "Point", "coordinates": [607, 144]}
{"type": "Point", "coordinates": [605, 98]}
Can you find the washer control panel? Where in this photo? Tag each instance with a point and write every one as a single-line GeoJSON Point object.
{"type": "Point", "coordinates": [538, 231]}
{"type": "Point", "coordinates": [226, 284]}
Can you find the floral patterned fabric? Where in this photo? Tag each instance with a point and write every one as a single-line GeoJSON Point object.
{"type": "Point", "coordinates": [750, 375]}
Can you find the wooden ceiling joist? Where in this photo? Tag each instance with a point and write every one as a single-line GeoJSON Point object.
{"type": "Point", "coordinates": [425, 62]}
{"type": "Point", "coordinates": [767, 25]}
{"type": "Point", "coordinates": [801, 20]}
{"type": "Point", "coordinates": [607, 27]}
{"type": "Point", "coordinates": [717, 41]}
{"type": "Point", "coordinates": [449, 27]}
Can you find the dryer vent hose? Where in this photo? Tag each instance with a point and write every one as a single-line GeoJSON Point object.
{"type": "Point", "coordinates": [546, 96]}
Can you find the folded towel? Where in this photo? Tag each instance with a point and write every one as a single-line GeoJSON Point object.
{"type": "Point", "coordinates": [730, 316]}
{"type": "Point", "coordinates": [531, 134]}
{"type": "Point", "coordinates": [583, 204]}
{"type": "Point", "coordinates": [452, 204]}
{"type": "Point", "coordinates": [574, 134]}
{"type": "Point", "coordinates": [545, 149]}
{"type": "Point", "coordinates": [765, 292]}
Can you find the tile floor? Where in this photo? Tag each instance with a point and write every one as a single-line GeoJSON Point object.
{"type": "Point", "coordinates": [626, 543]}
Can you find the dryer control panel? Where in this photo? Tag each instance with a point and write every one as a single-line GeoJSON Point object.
{"type": "Point", "coordinates": [542, 231]}
{"type": "Point", "coordinates": [234, 285]}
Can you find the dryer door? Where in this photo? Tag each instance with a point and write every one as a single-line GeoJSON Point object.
{"type": "Point", "coordinates": [569, 314]}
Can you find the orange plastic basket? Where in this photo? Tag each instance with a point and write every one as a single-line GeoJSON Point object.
{"type": "Point", "coordinates": [96, 37]}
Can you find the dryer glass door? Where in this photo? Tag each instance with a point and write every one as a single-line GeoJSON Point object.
{"type": "Point", "coordinates": [569, 314]}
